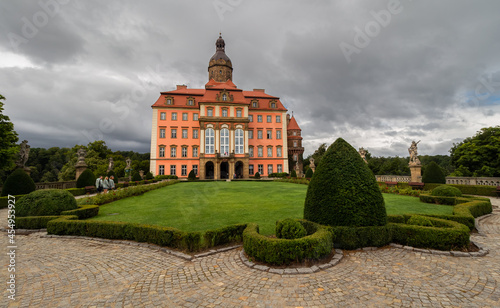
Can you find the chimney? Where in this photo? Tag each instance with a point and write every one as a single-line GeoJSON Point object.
{"type": "Point", "coordinates": [181, 86]}
{"type": "Point", "coordinates": [259, 90]}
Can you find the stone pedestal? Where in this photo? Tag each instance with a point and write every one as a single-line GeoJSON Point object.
{"type": "Point", "coordinates": [416, 173]}
{"type": "Point", "coordinates": [79, 169]}
{"type": "Point", "coordinates": [27, 170]}
{"type": "Point", "coordinates": [141, 173]}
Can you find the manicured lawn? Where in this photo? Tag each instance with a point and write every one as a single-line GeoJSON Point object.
{"type": "Point", "coordinates": [203, 206]}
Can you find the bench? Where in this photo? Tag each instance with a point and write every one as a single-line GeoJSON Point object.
{"type": "Point", "coordinates": [89, 189]}
{"type": "Point", "coordinates": [417, 185]}
{"type": "Point", "coordinates": [391, 184]}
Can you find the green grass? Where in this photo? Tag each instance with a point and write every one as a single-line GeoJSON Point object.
{"type": "Point", "coordinates": [201, 206]}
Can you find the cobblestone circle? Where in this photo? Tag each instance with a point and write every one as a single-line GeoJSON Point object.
{"type": "Point", "coordinates": [59, 272]}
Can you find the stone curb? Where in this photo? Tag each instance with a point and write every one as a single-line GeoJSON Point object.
{"type": "Point", "coordinates": [24, 231]}
{"type": "Point", "coordinates": [144, 245]}
{"type": "Point", "coordinates": [481, 253]}
{"type": "Point", "coordinates": [292, 271]}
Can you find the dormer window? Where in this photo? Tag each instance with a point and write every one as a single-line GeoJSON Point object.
{"type": "Point", "coordinates": [273, 105]}
{"type": "Point", "coordinates": [255, 104]}
{"type": "Point", "coordinates": [224, 97]}
{"type": "Point", "coordinates": [169, 100]}
{"type": "Point", "coordinates": [190, 102]}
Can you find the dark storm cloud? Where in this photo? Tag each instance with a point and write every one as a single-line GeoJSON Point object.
{"type": "Point", "coordinates": [97, 67]}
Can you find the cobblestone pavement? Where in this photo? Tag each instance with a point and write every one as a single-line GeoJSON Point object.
{"type": "Point", "coordinates": [81, 273]}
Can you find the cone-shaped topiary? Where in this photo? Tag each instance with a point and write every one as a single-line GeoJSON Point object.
{"type": "Point", "coordinates": [45, 202]}
{"type": "Point", "coordinates": [191, 176]}
{"type": "Point", "coordinates": [149, 176]}
{"type": "Point", "coordinates": [293, 174]}
{"type": "Point", "coordinates": [257, 175]}
{"type": "Point", "coordinates": [433, 174]}
{"type": "Point", "coordinates": [136, 176]}
{"type": "Point", "coordinates": [343, 190]}
{"type": "Point", "coordinates": [309, 173]}
{"type": "Point", "coordinates": [87, 178]}
{"type": "Point", "coordinates": [18, 183]}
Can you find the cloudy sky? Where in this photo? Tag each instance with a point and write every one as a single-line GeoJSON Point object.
{"type": "Point", "coordinates": [377, 73]}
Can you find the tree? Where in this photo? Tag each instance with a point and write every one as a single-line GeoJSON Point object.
{"type": "Point", "coordinates": [8, 139]}
{"type": "Point", "coordinates": [479, 155]}
{"type": "Point", "coordinates": [191, 176]}
{"type": "Point", "coordinates": [18, 183]}
{"type": "Point", "coordinates": [309, 173]}
{"type": "Point", "coordinates": [293, 174]}
{"type": "Point", "coordinates": [87, 178]}
{"type": "Point", "coordinates": [433, 174]}
{"type": "Point", "coordinates": [343, 190]}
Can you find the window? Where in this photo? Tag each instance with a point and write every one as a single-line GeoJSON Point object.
{"type": "Point", "coordinates": [269, 134]}
{"type": "Point", "coordinates": [273, 105]}
{"type": "Point", "coordinates": [280, 168]}
{"type": "Point", "coordinates": [195, 152]}
{"type": "Point", "coordinates": [295, 143]}
{"type": "Point", "coordinates": [173, 133]}
{"type": "Point", "coordinates": [278, 151]}
{"type": "Point", "coordinates": [184, 169]}
{"type": "Point", "coordinates": [261, 169]}
{"type": "Point", "coordinates": [161, 170]}
{"type": "Point", "coordinates": [172, 169]}
{"type": "Point", "coordinates": [195, 117]}
{"type": "Point", "coordinates": [210, 112]}
{"type": "Point", "coordinates": [238, 113]}
{"type": "Point", "coordinates": [190, 102]}
{"type": "Point", "coordinates": [259, 118]}
{"type": "Point", "coordinates": [255, 104]}
{"type": "Point", "coordinates": [269, 119]}
{"type": "Point", "coordinates": [162, 133]}
{"type": "Point", "coordinates": [224, 141]}
{"type": "Point", "coordinates": [250, 151]}
{"type": "Point", "coordinates": [250, 118]}
{"type": "Point", "coordinates": [184, 133]}
{"type": "Point", "coordinates": [195, 134]}
{"type": "Point", "coordinates": [239, 141]}
{"type": "Point", "coordinates": [295, 133]}
{"type": "Point", "coordinates": [163, 115]}
{"type": "Point", "coordinates": [209, 141]}
{"type": "Point", "coordinates": [259, 152]}
{"type": "Point", "coordinates": [269, 152]}
{"type": "Point", "coordinates": [250, 134]}
{"type": "Point", "coordinates": [250, 169]}
{"type": "Point", "coordinates": [269, 169]}
{"type": "Point", "coordinates": [224, 112]}
{"type": "Point", "coordinates": [278, 119]}
{"type": "Point", "coordinates": [184, 116]}
{"type": "Point", "coordinates": [224, 96]}
{"type": "Point", "coordinates": [169, 101]}
{"type": "Point", "coordinates": [259, 134]}
{"type": "Point", "coordinates": [174, 116]}
{"type": "Point", "coordinates": [162, 152]}
{"type": "Point", "coordinates": [184, 152]}
{"type": "Point", "coordinates": [173, 152]}
{"type": "Point", "coordinates": [195, 169]}
{"type": "Point", "coordinates": [278, 134]}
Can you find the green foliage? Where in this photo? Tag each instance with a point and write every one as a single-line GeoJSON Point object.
{"type": "Point", "coordinates": [358, 237]}
{"type": "Point", "coordinates": [309, 173]}
{"type": "Point", "coordinates": [83, 212]}
{"type": "Point", "coordinates": [8, 139]}
{"type": "Point", "coordinates": [76, 191]}
{"type": "Point", "coordinates": [149, 176]}
{"type": "Point", "coordinates": [418, 220]}
{"type": "Point", "coordinates": [46, 202]}
{"type": "Point", "coordinates": [278, 175]}
{"type": "Point", "coordinates": [290, 229]}
{"type": "Point", "coordinates": [34, 222]}
{"type": "Point", "coordinates": [136, 176]}
{"type": "Point", "coordinates": [191, 176]}
{"type": "Point", "coordinates": [87, 178]}
{"type": "Point", "coordinates": [4, 201]}
{"type": "Point", "coordinates": [166, 177]}
{"type": "Point", "coordinates": [478, 155]}
{"type": "Point", "coordinates": [225, 235]}
{"type": "Point", "coordinates": [293, 174]}
{"type": "Point", "coordinates": [433, 174]}
{"type": "Point", "coordinates": [282, 251]}
{"type": "Point", "coordinates": [446, 191]}
{"type": "Point", "coordinates": [479, 190]}
{"type": "Point", "coordinates": [18, 183]}
{"type": "Point", "coordinates": [257, 175]}
{"type": "Point", "coordinates": [317, 155]}
{"type": "Point", "coordinates": [389, 165]}
{"type": "Point", "coordinates": [438, 199]}
{"type": "Point", "coordinates": [343, 191]}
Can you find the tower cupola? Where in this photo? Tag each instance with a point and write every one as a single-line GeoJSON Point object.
{"type": "Point", "coordinates": [220, 67]}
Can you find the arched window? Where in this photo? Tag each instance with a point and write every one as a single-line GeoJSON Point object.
{"type": "Point", "coordinates": [224, 141]}
{"type": "Point", "coordinates": [239, 141]}
{"type": "Point", "coordinates": [209, 141]}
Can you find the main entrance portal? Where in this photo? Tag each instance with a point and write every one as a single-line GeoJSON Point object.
{"type": "Point", "coordinates": [224, 170]}
{"type": "Point", "coordinates": [209, 170]}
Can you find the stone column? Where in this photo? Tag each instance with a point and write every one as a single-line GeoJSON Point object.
{"type": "Point", "coordinates": [416, 173]}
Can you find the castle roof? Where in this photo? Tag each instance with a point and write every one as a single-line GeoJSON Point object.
{"type": "Point", "coordinates": [292, 125]}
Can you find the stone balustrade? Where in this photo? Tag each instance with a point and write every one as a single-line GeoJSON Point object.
{"type": "Point", "coordinates": [449, 180]}
{"type": "Point", "coordinates": [56, 185]}
{"type": "Point", "coordinates": [393, 178]}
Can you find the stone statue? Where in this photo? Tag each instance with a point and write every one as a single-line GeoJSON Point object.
{"type": "Point", "coordinates": [297, 166]}
{"type": "Point", "coordinates": [111, 164]}
{"type": "Point", "coordinates": [81, 156]}
{"type": "Point", "coordinates": [311, 163]}
{"type": "Point", "coordinates": [128, 161]}
{"type": "Point", "coordinates": [362, 152]}
{"type": "Point", "coordinates": [414, 154]}
{"type": "Point", "coordinates": [24, 153]}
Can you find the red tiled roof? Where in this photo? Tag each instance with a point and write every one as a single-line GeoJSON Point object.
{"type": "Point", "coordinates": [293, 124]}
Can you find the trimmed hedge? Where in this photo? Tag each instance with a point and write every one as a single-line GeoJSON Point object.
{"type": "Point", "coordinates": [34, 222]}
{"type": "Point", "coordinates": [87, 178]}
{"type": "Point", "coordinates": [433, 174]}
{"type": "Point", "coordinates": [357, 237]}
{"type": "Point", "coordinates": [18, 183]}
{"type": "Point", "coordinates": [84, 212]}
{"type": "Point", "coordinates": [438, 199]}
{"type": "Point", "coordinates": [290, 229]}
{"type": "Point", "coordinates": [480, 190]}
{"type": "Point", "coordinates": [76, 191]}
{"type": "Point", "coordinates": [45, 202]}
{"type": "Point", "coordinates": [282, 251]}
{"type": "Point", "coordinates": [447, 191]}
{"type": "Point", "coordinates": [225, 235]}
{"type": "Point", "coordinates": [4, 201]}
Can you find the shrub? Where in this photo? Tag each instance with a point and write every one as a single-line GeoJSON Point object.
{"type": "Point", "coordinates": [357, 237]}
{"type": "Point", "coordinates": [309, 173]}
{"type": "Point", "coordinates": [191, 176]}
{"type": "Point", "coordinates": [76, 191]}
{"type": "Point", "coordinates": [438, 199]}
{"type": "Point", "coordinates": [290, 229]}
{"type": "Point", "coordinates": [4, 201]}
{"type": "Point", "coordinates": [168, 177]}
{"type": "Point", "coordinates": [343, 191]}
{"type": "Point", "coordinates": [278, 175]}
{"type": "Point", "coordinates": [18, 183]}
{"type": "Point", "coordinates": [45, 202]}
{"type": "Point", "coordinates": [433, 174]}
{"type": "Point", "coordinates": [149, 176]}
{"type": "Point", "coordinates": [293, 174]}
{"type": "Point", "coordinates": [257, 175]}
{"type": "Point", "coordinates": [418, 220]}
{"type": "Point", "coordinates": [446, 191]}
{"type": "Point", "coordinates": [87, 178]}
{"type": "Point", "coordinates": [225, 235]}
{"type": "Point", "coordinates": [83, 212]}
{"type": "Point", "coordinates": [34, 222]}
{"type": "Point", "coordinates": [136, 177]}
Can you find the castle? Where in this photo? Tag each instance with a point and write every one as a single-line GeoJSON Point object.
{"type": "Point", "coordinates": [222, 132]}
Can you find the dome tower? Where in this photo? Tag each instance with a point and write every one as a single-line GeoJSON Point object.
{"type": "Point", "coordinates": [220, 67]}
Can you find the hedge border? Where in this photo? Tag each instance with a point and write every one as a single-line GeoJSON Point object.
{"type": "Point", "coordinates": [4, 201]}
{"type": "Point", "coordinates": [83, 211]}
{"type": "Point", "coordinates": [40, 222]}
{"type": "Point", "coordinates": [480, 190]}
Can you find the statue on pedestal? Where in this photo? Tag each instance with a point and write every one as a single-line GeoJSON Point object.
{"type": "Point", "coordinates": [362, 152]}
{"type": "Point", "coordinates": [81, 157]}
{"type": "Point", "coordinates": [24, 153]}
{"type": "Point", "coordinates": [111, 164]}
{"type": "Point", "coordinates": [311, 164]}
{"type": "Point", "coordinates": [413, 150]}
